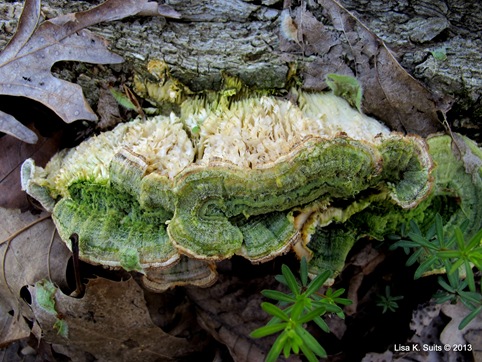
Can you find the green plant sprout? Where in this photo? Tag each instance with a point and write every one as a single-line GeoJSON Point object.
{"type": "Point", "coordinates": [346, 87]}
{"type": "Point", "coordinates": [302, 305]}
{"type": "Point", "coordinates": [387, 301]}
{"type": "Point", "coordinates": [450, 254]}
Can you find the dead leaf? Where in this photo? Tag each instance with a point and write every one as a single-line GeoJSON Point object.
{"type": "Point", "coordinates": [18, 352]}
{"type": "Point", "coordinates": [13, 327]}
{"type": "Point", "coordinates": [451, 333]}
{"type": "Point", "coordinates": [26, 61]}
{"type": "Point", "coordinates": [378, 357]}
{"type": "Point", "coordinates": [366, 261]}
{"type": "Point", "coordinates": [12, 154]}
{"type": "Point", "coordinates": [12, 127]}
{"type": "Point", "coordinates": [230, 310]}
{"type": "Point", "coordinates": [108, 110]}
{"type": "Point", "coordinates": [31, 256]}
{"type": "Point", "coordinates": [289, 29]}
{"type": "Point", "coordinates": [474, 338]}
{"type": "Point", "coordinates": [347, 47]}
{"type": "Point", "coordinates": [425, 323]}
{"type": "Point", "coordinates": [111, 323]}
{"type": "Point", "coordinates": [431, 329]}
{"type": "Point", "coordinates": [391, 94]}
{"type": "Point", "coordinates": [464, 151]}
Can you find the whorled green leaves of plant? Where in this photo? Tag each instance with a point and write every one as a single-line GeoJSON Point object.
{"type": "Point", "coordinates": [387, 301]}
{"type": "Point", "coordinates": [302, 305]}
{"type": "Point", "coordinates": [452, 254]}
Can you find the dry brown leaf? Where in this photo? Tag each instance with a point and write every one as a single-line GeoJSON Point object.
{"type": "Point", "coordinates": [10, 126]}
{"type": "Point", "coordinates": [12, 154]}
{"type": "Point", "coordinates": [429, 323]}
{"type": "Point", "coordinates": [111, 323]}
{"type": "Point", "coordinates": [390, 93]}
{"type": "Point", "coordinates": [108, 110]}
{"type": "Point", "coordinates": [31, 256]}
{"type": "Point", "coordinates": [348, 47]}
{"type": "Point", "coordinates": [26, 61]}
{"type": "Point", "coordinates": [230, 310]}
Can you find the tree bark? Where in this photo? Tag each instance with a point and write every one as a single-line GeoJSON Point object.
{"type": "Point", "coordinates": [416, 29]}
{"type": "Point", "coordinates": [435, 40]}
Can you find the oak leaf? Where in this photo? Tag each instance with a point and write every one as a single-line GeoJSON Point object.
{"type": "Point", "coordinates": [390, 92]}
{"type": "Point", "coordinates": [27, 256]}
{"type": "Point", "coordinates": [112, 322]}
{"type": "Point", "coordinates": [336, 41]}
{"type": "Point", "coordinates": [26, 61]}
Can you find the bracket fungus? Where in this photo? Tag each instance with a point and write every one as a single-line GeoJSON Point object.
{"type": "Point", "coordinates": [256, 177]}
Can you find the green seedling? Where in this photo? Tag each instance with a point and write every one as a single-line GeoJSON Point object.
{"type": "Point", "coordinates": [300, 306]}
{"type": "Point", "coordinates": [388, 302]}
{"type": "Point", "coordinates": [451, 254]}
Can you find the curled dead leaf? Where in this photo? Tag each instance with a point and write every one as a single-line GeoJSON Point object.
{"type": "Point", "coordinates": [338, 42]}
{"type": "Point", "coordinates": [112, 323]}
{"type": "Point", "coordinates": [30, 251]}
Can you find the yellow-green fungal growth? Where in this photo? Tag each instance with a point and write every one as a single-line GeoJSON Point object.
{"type": "Point", "coordinates": [226, 178]}
{"type": "Point", "coordinates": [329, 232]}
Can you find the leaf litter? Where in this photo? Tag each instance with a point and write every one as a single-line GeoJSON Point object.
{"type": "Point", "coordinates": [335, 41]}
{"type": "Point", "coordinates": [28, 255]}
{"type": "Point", "coordinates": [371, 61]}
{"type": "Point", "coordinates": [26, 61]}
{"type": "Point", "coordinates": [112, 323]}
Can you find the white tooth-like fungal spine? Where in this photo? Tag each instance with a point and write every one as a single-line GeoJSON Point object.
{"type": "Point", "coordinates": [254, 178]}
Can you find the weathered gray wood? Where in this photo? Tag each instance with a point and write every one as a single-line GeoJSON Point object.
{"type": "Point", "coordinates": [243, 38]}
{"type": "Point", "coordinates": [414, 29]}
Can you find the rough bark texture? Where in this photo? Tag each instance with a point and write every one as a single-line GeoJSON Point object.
{"type": "Point", "coordinates": [415, 29]}
{"type": "Point", "coordinates": [437, 41]}
{"type": "Point", "coordinates": [243, 38]}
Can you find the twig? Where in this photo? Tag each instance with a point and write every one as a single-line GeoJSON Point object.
{"type": "Point", "coordinates": [79, 287]}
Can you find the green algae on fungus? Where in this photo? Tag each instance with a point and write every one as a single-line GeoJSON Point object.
{"type": "Point", "coordinates": [456, 195]}
{"type": "Point", "coordinates": [147, 192]}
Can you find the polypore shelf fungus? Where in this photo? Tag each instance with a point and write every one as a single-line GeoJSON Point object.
{"type": "Point", "coordinates": [255, 177]}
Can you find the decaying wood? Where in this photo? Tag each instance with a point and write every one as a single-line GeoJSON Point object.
{"type": "Point", "coordinates": [415, 29]}
{"type": "Point", "coordinates": [243, 38]}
